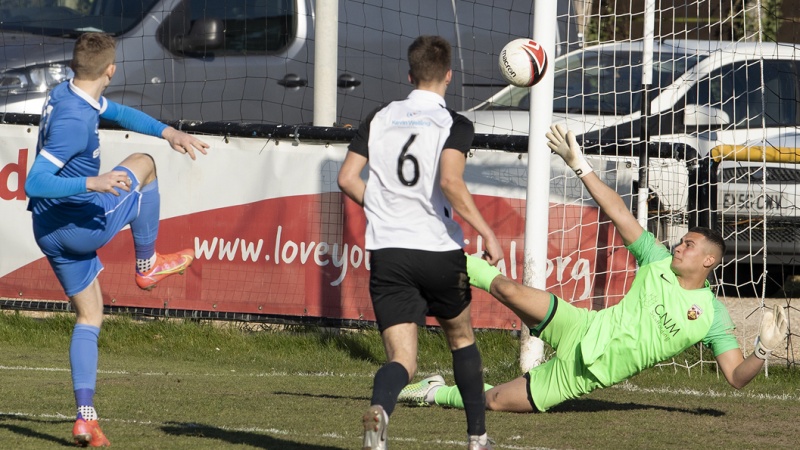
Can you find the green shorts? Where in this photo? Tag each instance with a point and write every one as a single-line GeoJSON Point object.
{"type": "Point", "coordinates": [564, 376]}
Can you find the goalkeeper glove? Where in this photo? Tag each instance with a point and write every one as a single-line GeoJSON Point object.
{"type": "Point", "coordinates": [773, 329]}
{"type": "Point", "coordinates": [562, 141]}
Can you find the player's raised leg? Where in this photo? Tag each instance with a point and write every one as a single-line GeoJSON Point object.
{"type": "Point", "coordinates": [151, 266]}
{"type": "Point", "coordinates": [529, 304]}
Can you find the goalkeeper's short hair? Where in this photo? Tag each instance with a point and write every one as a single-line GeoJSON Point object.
{"type": "Point", "coordinates": [712, 236]}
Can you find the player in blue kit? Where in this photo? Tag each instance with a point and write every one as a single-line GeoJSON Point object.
{"type": "Point", "coordinates": [76, 210]}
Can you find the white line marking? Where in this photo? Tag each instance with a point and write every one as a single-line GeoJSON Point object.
{"type": "Point", "coordinates": [227, 373]}
{"type": "Point", "coordinates": [435, 443]}
{"type": "Point", "coordinates": [630, 387]}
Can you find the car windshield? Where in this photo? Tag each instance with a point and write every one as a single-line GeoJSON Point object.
{"type": "Point", "coordinates": [605, 82]}
{"type": "Point", "coordinates": [70, 19]}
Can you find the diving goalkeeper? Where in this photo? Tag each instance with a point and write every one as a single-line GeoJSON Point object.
{"type": "Point", "coordinates": [669, 308]}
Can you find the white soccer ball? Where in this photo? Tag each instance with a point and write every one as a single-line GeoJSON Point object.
{"type": "Point", "coordinates": [523, 62]}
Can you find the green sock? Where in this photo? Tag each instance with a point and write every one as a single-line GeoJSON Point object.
{"type": "Point", "coordinates": [481, 273]}
{"type": "Point", "coordinates": [451, 396]}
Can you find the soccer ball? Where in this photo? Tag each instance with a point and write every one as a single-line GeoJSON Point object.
{"type": "Point", "coordinates": [523, 62]}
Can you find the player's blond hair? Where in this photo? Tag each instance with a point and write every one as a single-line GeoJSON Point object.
{"type": "Point", "coordinates": [92, 55]}
{"type": "Point", "coordinates": [429, 59]}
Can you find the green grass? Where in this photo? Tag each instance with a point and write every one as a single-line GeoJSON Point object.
{"type": "Point", "coordinates": [196, 385]}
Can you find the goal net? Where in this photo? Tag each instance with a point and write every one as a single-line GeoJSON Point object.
{"type": "Point", "coordinates": [720, 115]}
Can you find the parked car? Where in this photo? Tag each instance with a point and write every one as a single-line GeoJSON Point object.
{"type": "Point", "coordinates": [251, 60]}
{"type": "Point", "coordinates": [707, 95]}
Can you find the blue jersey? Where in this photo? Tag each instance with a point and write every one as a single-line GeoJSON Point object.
{"type": "Point", "coordinates": [69, 138]}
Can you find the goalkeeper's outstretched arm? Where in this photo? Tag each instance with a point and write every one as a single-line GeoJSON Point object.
{"type": "Point", "coordinates": [563, 143]}
{"type": "Point", "coordinates": [739, 370]}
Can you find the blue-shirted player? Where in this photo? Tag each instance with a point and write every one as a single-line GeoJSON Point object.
{"type": "Point", "coordinates": [77, 210]}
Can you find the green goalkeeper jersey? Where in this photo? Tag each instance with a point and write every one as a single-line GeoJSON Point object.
{"type": "Point", "coordinates": [656, 320]}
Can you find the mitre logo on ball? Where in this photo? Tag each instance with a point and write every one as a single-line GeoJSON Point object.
{"type": "Point", "coordinates": [523, 62]}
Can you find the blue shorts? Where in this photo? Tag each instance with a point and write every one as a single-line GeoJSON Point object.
{"type": "Point", "coordinates": [71, 248]}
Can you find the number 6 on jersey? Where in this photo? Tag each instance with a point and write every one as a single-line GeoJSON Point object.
{"type": "Point", "coordinates": [402, 160]}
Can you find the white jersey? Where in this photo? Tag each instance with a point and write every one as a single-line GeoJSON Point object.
{"type": "Point", "coordinates": [403, 201]}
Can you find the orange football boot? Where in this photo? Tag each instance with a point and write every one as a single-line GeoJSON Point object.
{"type": "Point", "coordinates": [87, 433]}
{"type": "Point", "coordinates": [165, 266]}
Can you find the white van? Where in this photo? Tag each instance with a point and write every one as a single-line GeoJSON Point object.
{"type": "Point", "coordinates": [250, 60]}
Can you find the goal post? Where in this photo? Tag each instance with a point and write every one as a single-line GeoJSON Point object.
{"type": "Point", "coordinates": [538, 189]}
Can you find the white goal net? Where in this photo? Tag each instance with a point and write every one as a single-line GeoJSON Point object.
{"type": "Point", "coordinates": [721, 115]}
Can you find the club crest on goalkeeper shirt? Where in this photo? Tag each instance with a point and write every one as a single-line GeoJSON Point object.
{"type": "Point", "coordinates": [694, 312]}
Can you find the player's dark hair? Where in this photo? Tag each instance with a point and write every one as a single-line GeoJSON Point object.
{"type": "Point", "coordinates": [429, 59]}
{"type": "Point", "coordinates": [93, 53]}
{"type": "Point", "coordinates": [711, 236]}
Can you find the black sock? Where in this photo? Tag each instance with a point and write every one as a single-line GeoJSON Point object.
{"type": "Point", "coordinates": [389, 381]}
{"type": "Point", "coordinates": [468, 372]}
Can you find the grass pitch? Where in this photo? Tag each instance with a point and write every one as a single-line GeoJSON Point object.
{"type": "Point", "coordinates": [196, 385]}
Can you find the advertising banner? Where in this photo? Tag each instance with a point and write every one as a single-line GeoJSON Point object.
{"type": "Point", "coordinates": [273, 235]}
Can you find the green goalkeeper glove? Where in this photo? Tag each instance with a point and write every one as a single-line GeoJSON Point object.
{"type": "Point", "coordinates": [773, 329]}
{"type": "Point", "coordinates": [562, 141]}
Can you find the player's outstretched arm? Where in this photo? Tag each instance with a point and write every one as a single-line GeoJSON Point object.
{"type": "Point", "coordinates": [739, 370]}
{"type": "Point", "coordinates": [184, 142]}
{"type": "Point", "coordinates": [135, 120]}
{"type": "Point", "coordinates": [563, 143]}
{"type": "Point", "coordinates": [455, 190]}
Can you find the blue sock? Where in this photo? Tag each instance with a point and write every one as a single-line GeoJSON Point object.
{"type": "Point", "coordinates": [84, 397]}
{"type": "Point", "coordinates": [145, 226]}
{"type": "Point", "coordinates": [83, 362]}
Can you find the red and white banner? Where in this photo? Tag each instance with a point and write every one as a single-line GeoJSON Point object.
{"type": "Point", "coordinates": [273, 234]}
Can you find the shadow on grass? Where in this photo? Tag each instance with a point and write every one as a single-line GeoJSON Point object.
{"type": "Point", "coordinates": [23, 431]}
{"type": "Point", "coordinates": [237, 437]}
{"type": "Point", "coordinates": [352, 345]}
{"type": "Point", "coordinates": [328, 396]}
{"type": "Point", "coordinates": [592, 405]}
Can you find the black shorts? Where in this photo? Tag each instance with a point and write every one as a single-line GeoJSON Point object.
{"type": "Point", "coordinates": [407, 285]}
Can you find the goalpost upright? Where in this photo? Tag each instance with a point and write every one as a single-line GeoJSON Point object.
{"type": "Point", "coordinates": [647, 83]}
{"type": "Point", "coordinates": [538, 188]}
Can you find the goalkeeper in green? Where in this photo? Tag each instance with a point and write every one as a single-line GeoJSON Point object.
{"type": "Point", "coordinates": [669, 308]}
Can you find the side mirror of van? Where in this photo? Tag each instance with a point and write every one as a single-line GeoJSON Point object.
{"type": "Point", "coordinates": [704, 115]}
{"type": "Point", "coordinates": [204, 36]}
